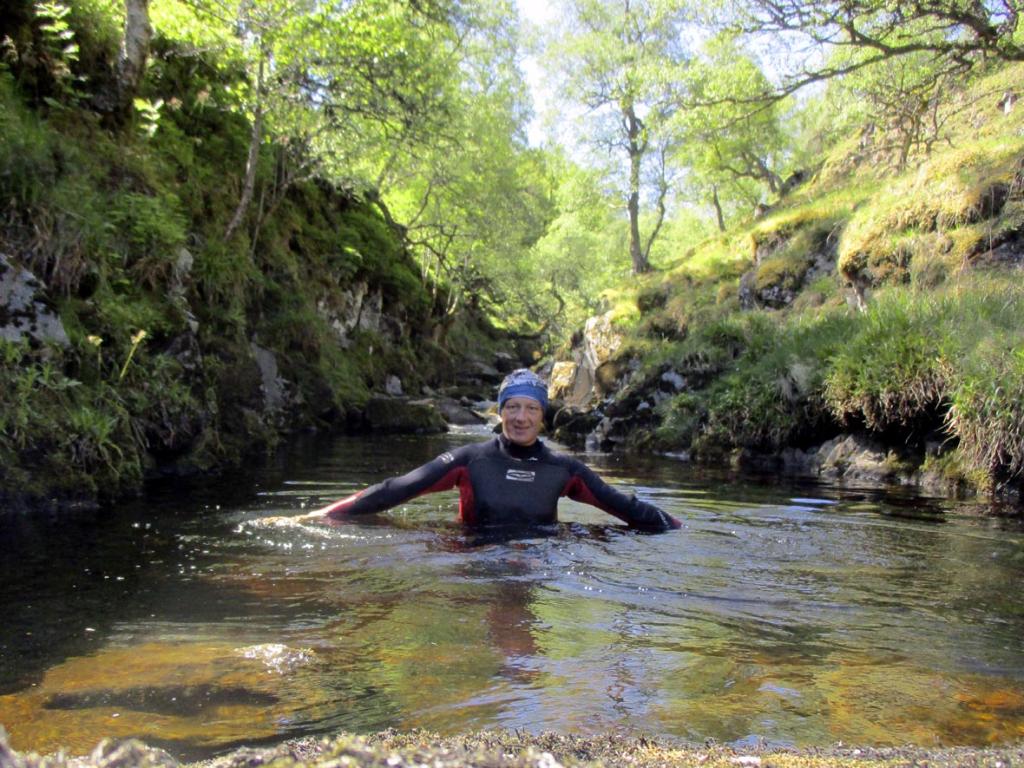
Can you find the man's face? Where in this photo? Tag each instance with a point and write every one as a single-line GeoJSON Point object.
{"type": "Point", "coordinates": [521, 420]}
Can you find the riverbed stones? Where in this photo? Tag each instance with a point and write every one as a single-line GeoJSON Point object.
{"type": "Point", "coordinates": [25, 313]}
{"type": "Point", "coordinates": [519, 749]}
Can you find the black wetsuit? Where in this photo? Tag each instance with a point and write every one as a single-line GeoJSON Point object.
{"type": "Point", "coordinates": [501, 483]}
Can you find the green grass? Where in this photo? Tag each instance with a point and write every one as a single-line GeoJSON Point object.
{"type": "Point", "coordinates": [890, 369]}
{"type": "Point", "coordinates": [937, 351]}
{"type": "Point", "coordinates": [950, 194]}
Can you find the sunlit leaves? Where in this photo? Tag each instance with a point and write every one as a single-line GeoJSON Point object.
{"type": "Point", "coordinates": [733, 147]}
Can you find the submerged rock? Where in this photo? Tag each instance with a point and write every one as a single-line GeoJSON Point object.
{"type": "Point", "coordinates": [847, 459]}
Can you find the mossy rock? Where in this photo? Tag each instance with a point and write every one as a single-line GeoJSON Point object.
{"type": "Point", "coordinates": [959, 195]}
{"type": "Point", "coordinates": [794, 252]}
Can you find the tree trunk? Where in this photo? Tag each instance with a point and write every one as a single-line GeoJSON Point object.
{"type": "Point", "coordinates": [252, 162]}
{"type": "Point", "coordinates": [636, 152]}
{"type": "Point", "coordinates": [116, 101]}
{"type": "Point", "coordinates": [718, 208]}
{"type": "Point", "coordinates": [659, 207]}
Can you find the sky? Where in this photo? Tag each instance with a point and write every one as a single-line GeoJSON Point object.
{"type": "Point", "coordinates": [539, 13]}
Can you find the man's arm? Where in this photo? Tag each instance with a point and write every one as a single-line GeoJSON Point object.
{"type": "Point", "coordinates": [585, 486]}
{"type": "Point", "coordinates": [441, 474]}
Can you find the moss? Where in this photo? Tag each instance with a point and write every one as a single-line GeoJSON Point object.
{"type": "Point", "coordinates": [823, 292]}
{"type": "Point", "coordinates": [781, 272]}
{"type": "Point", "coordinates": [952, 473]}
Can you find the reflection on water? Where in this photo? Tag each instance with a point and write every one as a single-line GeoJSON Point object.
{"type": "Point", "coordinates": [793, 615]}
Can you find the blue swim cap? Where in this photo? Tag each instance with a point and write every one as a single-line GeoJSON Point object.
{"type": "Point", "coordinates": [523, 382]}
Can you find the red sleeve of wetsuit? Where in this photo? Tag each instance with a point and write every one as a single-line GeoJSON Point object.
{"type": "Point", "coordinates": [441, 474]}
{"type": "Point", "coordinates": [585, 486]}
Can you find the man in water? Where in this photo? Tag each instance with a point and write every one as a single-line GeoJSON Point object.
{"type": "Point", "coordinates": [512, 480]}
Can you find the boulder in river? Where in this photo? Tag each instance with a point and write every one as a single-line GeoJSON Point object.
{"type": "Point", "coordinates": [399, 415]}
{"type": "Point", "coordinates": [455, 412]}
{"type": "Point", "coordinates": [593, 371]}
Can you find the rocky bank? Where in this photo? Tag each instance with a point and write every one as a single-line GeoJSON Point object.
{"type": "Point", "coordinates": [607, 401]}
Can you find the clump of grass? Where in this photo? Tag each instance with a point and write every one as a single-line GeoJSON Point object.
{"type": "Point", "coordinates": [987, 375]}
{"type": "Point", "coordinates": [773, 396]}
{"type": "Point", "coordinates": [958, 351]}
{"type": "Point", "coordinates": [79, 438]}
{"type": "Point", "coordinates": [890, 370]}
{"type": "Point", "coordinates": [950, 360]}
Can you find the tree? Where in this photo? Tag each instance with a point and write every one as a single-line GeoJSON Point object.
{"type": "Point", "coordinates": [336, 81]}
{"type": "Point", "coordinates": [621, 58]}
{"type": "Point", "coordinates": [473, 201]}
{"type": "Point", "coordinates": [578, 256]}
{"type": "Point", "coordinates": [960, 33]}
{"type": "Point", "coordinates": [116, 100]}
{"type": "Point", "coordinates": [727, 144]}
{"type": "Point", "coordinates": [905, 100]}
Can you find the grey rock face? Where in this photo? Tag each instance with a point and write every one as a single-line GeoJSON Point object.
{"type": "Point", "coordinates": [24, 313]}
{"type": "Point", "coordinates": [274, 387]}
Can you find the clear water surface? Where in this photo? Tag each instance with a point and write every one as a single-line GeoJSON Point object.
{"type": "Point", "coordinates": [780, 614]}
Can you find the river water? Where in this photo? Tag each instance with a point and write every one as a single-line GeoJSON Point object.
{"type": "Point", "coordinates": [783, 614]}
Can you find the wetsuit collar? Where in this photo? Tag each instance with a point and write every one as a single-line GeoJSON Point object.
{"type": "Point", "coordinates": [521, 452]}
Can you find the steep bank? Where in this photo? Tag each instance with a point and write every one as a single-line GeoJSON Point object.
{"type": "Point", "coordinates": [866, 327]}
{"type": "Point", "coordinates": [140, 339]}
